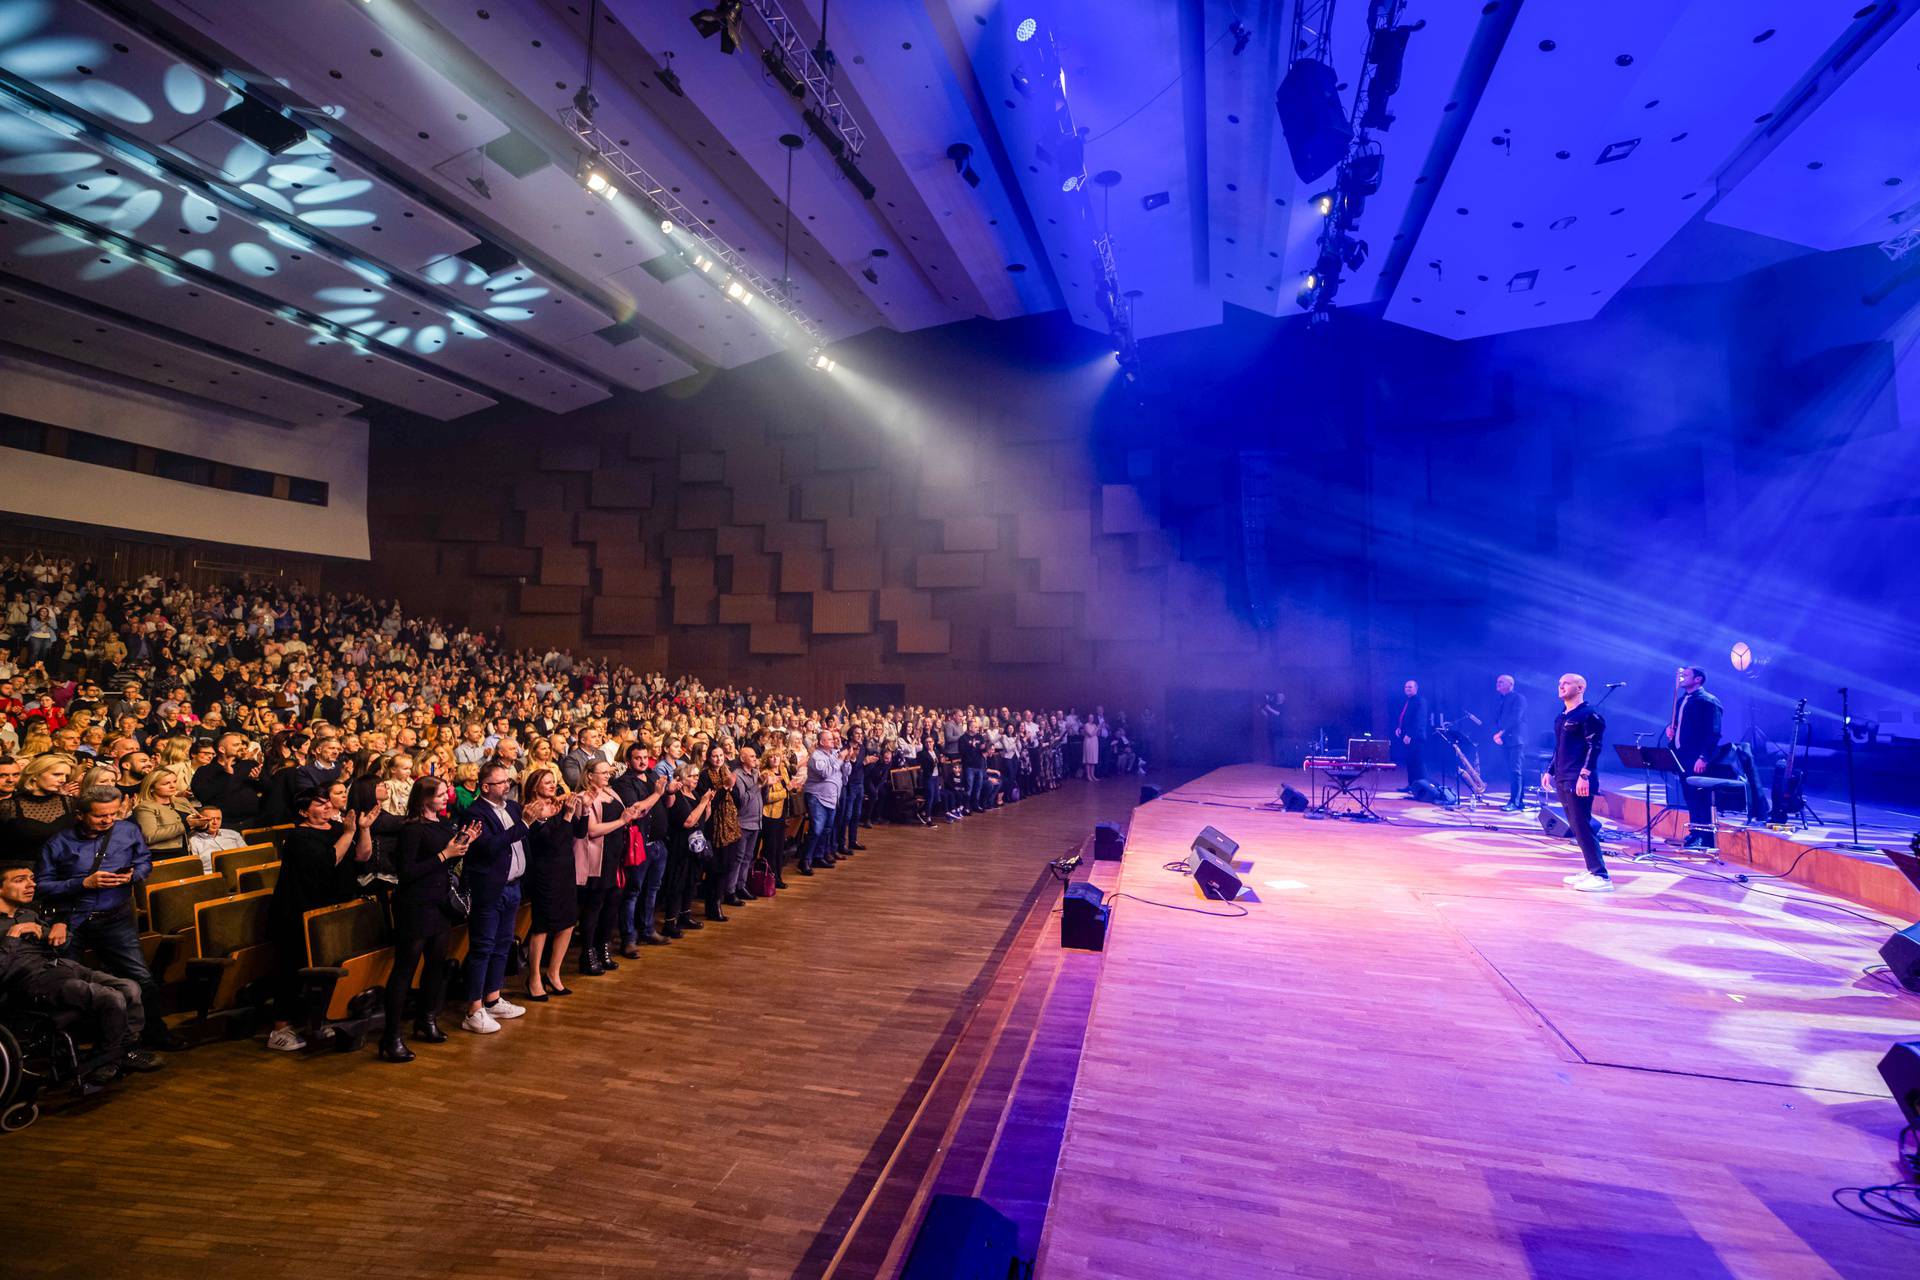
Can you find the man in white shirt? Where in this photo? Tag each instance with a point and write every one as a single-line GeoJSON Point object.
{"type": "Point", "coordinates": [203, 844]}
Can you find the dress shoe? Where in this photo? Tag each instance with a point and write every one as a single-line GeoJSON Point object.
{"type": "Point", "coordinates": [805, 871]}
{"type": "Point", "coordinates": [555, 989]}
{"type": "Point", "coordinates": [860, 847]}
{"type": "Point", "coordinates": [160, 1036]}
{"type": "Point", "coordinates": [427, 1031]}
{"type": "Point", "coordinates": [747, 895]}
{"type": "Point", "coordinates": [668, 932]}
{"type": "Point", "coordinates": [607, 962]}
{"type": "Point", "coordinates": [651, 940]}
{"type": "Point", "coordinates": [536, 999]}
{"type": "Point", "coordinates": [630, 949]}
{"type": "Point", "coordinates": [590, 966]}
{"type": "Point", "coordinates": [139, 1060]}
{"type": "Point", "coordinates": [734, 900]}
{"type": "Point", "coordinates": [687, 921]}
{"type": "Point", "coordinates": [720, 916]}
{"type": "Point", "coordinates": [394, 1049]}
{"type": "Point", "coordinates": [779, 884]}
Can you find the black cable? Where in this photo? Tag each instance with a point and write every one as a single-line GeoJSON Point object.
{"type": "Point", "coordinates": [1174, 906]}
{"type": "Point", "coordinates": [1683, 869]}
{"type": "Point", "coordinates": [1897, 1203]}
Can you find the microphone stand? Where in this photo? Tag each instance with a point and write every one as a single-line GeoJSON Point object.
{"type": "Point", "coordinates": [1853, 806]}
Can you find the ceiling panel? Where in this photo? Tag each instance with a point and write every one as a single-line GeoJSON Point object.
{"type": "Point", "coordinates": [1843, 174]}
{"type": "Point", "coordinates": [89, 338]}
{"type": "Point", "coordinates": [1609, 136]}
{"type": "Point", "coordinates": [637, 364]}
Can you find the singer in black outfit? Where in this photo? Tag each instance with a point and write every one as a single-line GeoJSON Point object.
{"type": "Point", "coordinates": [1574, 776]}
{"type": "Point", "coordinates": [1510, 737]}
{"type": "Point", "coordinates": [1694, 734]}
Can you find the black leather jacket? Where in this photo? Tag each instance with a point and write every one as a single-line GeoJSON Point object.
{"type": "Point", "coordinates": [1576, 745]}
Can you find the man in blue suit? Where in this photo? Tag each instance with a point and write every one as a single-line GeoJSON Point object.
{"type": "Point", "coordinates": [495, 861]}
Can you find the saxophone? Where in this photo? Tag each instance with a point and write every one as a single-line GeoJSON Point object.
{"type": "Point", "coordinates": [1468, 773]}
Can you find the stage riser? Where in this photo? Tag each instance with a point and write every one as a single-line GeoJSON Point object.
{"type": "Point", "coordinates": [1868, 879]}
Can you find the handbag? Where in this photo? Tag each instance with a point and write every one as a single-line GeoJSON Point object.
{"type": "Point", "coordinates": [760, 879]}
{"type": "Point", "coordinates": [636, 846]}
{"type": "Point", "coordinates": [697, 846]}
{"type": "Point", "coordinates": [459, 903]}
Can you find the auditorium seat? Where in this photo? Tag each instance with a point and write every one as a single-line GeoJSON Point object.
{"type": "Point", "coordinates": [349, 950]}
{"type": "Point", "coordinates": [263, 876]}
{"type": "Point", "coordinates": [234, 950]}
{"type": "Point", "coordinates": [170, 917]}
{"type": "Point", "coordinates": [268, 835]}
{"type": "Point", "coordinates": [904, 794]}
{"type": "Point", "coordinates": [231, 862]}
{"type": "Point", "coordinates": [162, 871]}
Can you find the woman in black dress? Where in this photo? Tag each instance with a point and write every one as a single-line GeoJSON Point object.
{"type": "Point", "coordinates": [317, 869]}
{"type": "Point", "coordinates": [426, 853]}
{"type": "Point", "coordinates": [684, 816]}
{"type": "Point", "coordinates": [549, 880]}
{"type": "Point", "coordinates": [376, 876]}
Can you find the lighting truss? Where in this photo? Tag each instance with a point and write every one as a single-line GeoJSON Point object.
{"type": "Point", "coordinates": [1907, 239]}
{"type": "Point", "coordinates": [686, 222]}
{"type": "Point", "coordinates": [784, 37]}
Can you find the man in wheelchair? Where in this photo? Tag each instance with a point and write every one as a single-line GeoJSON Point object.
{"type": "Point", "coordinates": [36, 978]}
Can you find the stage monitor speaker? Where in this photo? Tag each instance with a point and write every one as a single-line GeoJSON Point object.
{"type": "Point", "coordinates": [1148, 792]}
{"type": "Point", "coordinates": [1312, 118]}
{"type": "Point", "coordinates": [1083, 918]}
{"type": "Point", "coordinates": [1216, 842]}
{"type": "Point", "coordinates": [1216, 879]}
{"type": "Point", "coordinates": [1902, 954]}
{"type": "Point", "coordinates": [1292, 799]}
{"type": "Point", "coordinates": [962, 1238]}
{"type": "Point", "coordinates": [1109, 842]}
{"type": "Point", "coordinates": [1901, 1070]}
{"type": "Point", "coordinates": [1553, 821]}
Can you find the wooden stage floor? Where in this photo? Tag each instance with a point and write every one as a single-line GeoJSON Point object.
{"type": "Point", "coordinates": [1420, 1054]}
{"type": "Point", "coordinates": [717, 1108]}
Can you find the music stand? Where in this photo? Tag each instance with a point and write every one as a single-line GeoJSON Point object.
{"type": "Point", "coordinates": [1649, 761]}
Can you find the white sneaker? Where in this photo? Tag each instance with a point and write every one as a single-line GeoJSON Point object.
{"type": "Point", "coordinates": [1575, 878]}
{"type": "Point", "coordinates": [286, 1040]}
{"type": "Point", "coordinates": [1594, 884]}
{"type": "Point", "coordinates": [480, 1023]}
{"type": "Point", "coordinates": [505, 1010]}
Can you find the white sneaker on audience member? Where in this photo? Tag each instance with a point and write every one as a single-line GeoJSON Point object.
{"type": "Point", "coordinates": [285, 1040]}
{"type": "Point", "coordinates": [1594, 884]}
{"type": "Point", "coordinates": [480, 1022]}
{"type": "Point", "coordinates": [1576, 877]}
{"type": "Point", "coordinates": [505, 1010]}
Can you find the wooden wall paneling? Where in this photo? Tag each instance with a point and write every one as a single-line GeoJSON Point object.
{"type": "Point", "coordinates": [704, 508]}
{"type": "Point", "coordinates": [702, 468]}
{"type": "Point", "coordinates": [904, 604]}
{"type": "Point", "coordinates": [803, 571]}
{"type": "Point", "coordinates": [499, 561]}
{"type": "Point", "coordinates": [1129, 609]}
{"type": "Point", "coordinates": [1066, 573]}
{"type": "Point", "coordinates": [761, 500]}
{"type": "Point", "coordinates": [564, 567]}
{"type": "Point", "coordinates": [691, 571]}
{"type": "Point", "coordinates": [922, 635]}
{"type": "Point", "coordinates": [630, 578]}
{"type": "Point", "coordinates": [872, 490]}
{"type": "Point", "coordinates": [754, 575]}
{"type": "Point", "coordinates": [535, 631]}
{"type": "Point", "coordinates": [623, 616]}
{"type": "Point", "coordinates": [1039, 535]}
{"type": "Point", "coordinates": [693, 606]}
{"type": "Point", "coordinates": [629, 487]}
{"type": "Point", "coordinates": [620, 527]}
{"type": "Point", "coordinates": [797, 456]}
{"type": "Point", "coordinates": [532, 493]}
{"type": "Point", "coordinates": [469, 524]}
{"type": "Point", "coordinates": [949, 501]}
{"type": "Point", "coordinates": [569, 454]}
{"type": "Point", "coordinates": [547, 527]}
{"type": "Point", "coordinates": [1023, 645]}
{"type": "Point", "coordinates": [1124, 510]}
{"type": "Point", "coordinates": [534, 597]}
{"type": "Point", "coordinates": [777, 638]}
{"type": "Point", "coordinates": [678, 543]}
{"type": "Point", "coordinates": [853, 531]}
{"type": "Point", "coordinates": [738, 540]}
{"type": "Point", "coordinates": [652, 442]}
{"type": "Point", "coordinates": [843, 449]}
{"type": "Point", "coordinates": [737, 609]}
{"type": "Point", "coordinates": [825, 497]}
{"type": "Point", "coordinates": [950, 569]}
{"type": "Point", "coordinates": [842, 612]}
{"type": "Point", "coordinates": [794, 535]}
{"type": "Point", "coordinates": [1045, 609]}
{"type": "Point", "coordinates": [858, 569]}
{"type": "Point", "coordinates": [970, 533]}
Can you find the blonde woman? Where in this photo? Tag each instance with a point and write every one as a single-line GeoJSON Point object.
{"type": "Point", "coordinates": [165, 813]}
{"type": "Point", "coordinates": [40, 806]}
{"type": "Point", "coordinates": [175, 756]}
{"type": "Point", "coordinates": [550, 887]}
{"type": "Point", "coordinates": [776, 782]}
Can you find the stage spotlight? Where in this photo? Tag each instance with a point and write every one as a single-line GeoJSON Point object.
{"type": "Point", "coordinates": [671, 79]}
{"type": "Point", "coordinates": [722, 20]}
{"type": "Point", "coordinates": [1387, 51]}
{"type": "Point", "coordinates": [873, 277]}
{"type": "Point", "coordinates": [481, 188]}
{"type": "Point", "coordinates": [821, 361]}
{"type": "Point", "coordinates": [1026, 31]}
{"type": "Point", "coordinates": [1022, 85]}
{"type": "Point", "coordinates": [1362, 177]}
{"type": "Point", "coordinates": [584, 102]}
{"type": "Point", "coordinates": [702, 262]}
{"type": "Point", "coordinates": [776, 64]}
{"type": "Point", "coordinates": [1240, 36]}
{"type": "Point", "coordinates": [1323, 203]}
{"type": "Point", "coordinates": [1353, 252]}
{"type": "Point", "coordinates": [666, 226]}
{"type": "Point", "coordinates": [857, 178]}
{"type": "Point", "coordinates": [1742, 656]}
{"type": "Point", "coordinates": [961, 154]}
{"type": "Point", "coordinates": [1072, 183]}
{"type": "Point", "coordinates": [595, 177]}
{"type": "Point", "coordinates": [829, 136]}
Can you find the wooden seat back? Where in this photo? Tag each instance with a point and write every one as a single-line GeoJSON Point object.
{"type": "Point", "coordinates": [235, 947]}
{"type": "Point", "coordinates": [352, 937]}
{"type": "Point", "coordinates": [264, 876]}
{"type": "Point", "coordinates": [231, 862]}
{"type": "Point", "coordinates": [162, 871]}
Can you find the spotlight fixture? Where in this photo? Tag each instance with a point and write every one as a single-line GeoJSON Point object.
{"type": "Point", "coordinates": [671, 79]}
{"type": "Point", "coordinates": [1027, 30]}
{"type": "Point", "coordinates": [775, 62]}
{"type": "Point", "coordinates": [740, 293]}
{"type": "Point", "coordinates": [857, 178]}
{"type": "Point", "coordinates": [722, 20]}
{"type": "Point", "coordinates": [1240, 36]}
{"type": "Point", "coordinates": [594, 178]}
{"type": "Point", "coordinates": [1021, 84]}
{"type": "Point", "coordinates": [873, 277]}
{"type": "Point", "coordinates": [702, 263]}
{"type": "Point", "coordinates": [1353, 252]}
{"type": "Point", "coordinates": [666, 226]}
{"type": "Point", "coordinates": [584, 102]}
{"type": "Point", "coordinates": [1323, 203]}
{"type": "Point", "coordinates": [820, 360]}
{"type": "Point", "coordinates": [961, 154]}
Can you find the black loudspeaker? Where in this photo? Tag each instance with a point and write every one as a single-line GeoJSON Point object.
{"type": "Point", "coordinates": [1293, 799]}
{"type": "Point", "coordinates": [1312, 118]}
{"type": "Point", "coordinates": [1553, 821]}
{"type": "Point", "coordinates": [962, 1238]}
{"type": "Point", "coordinates": [1216, 879]}
{"type": "Point", "coordinates": [1901, 1070]}
{"type": "Point", "coordinates": [1216, 842]}
{"type": "Point", "coordinates": [1109, 842]}
{"type": "Point", "coordinates": [1902, 954]}
{"type": "Point", "coordinates": [1083, 918]}
{"type": "Point", "coordinates": [1148, 792]}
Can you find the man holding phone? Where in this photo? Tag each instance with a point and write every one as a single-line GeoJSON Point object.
{"type": "Point", "coordinates": [86, 874]}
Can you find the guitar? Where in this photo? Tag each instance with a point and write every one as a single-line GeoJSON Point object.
{"type": "Point", "coordinates": [1789, 785]}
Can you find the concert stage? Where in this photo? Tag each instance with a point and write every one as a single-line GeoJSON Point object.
{"type": "Point", "coordinates": [1420, 1054]}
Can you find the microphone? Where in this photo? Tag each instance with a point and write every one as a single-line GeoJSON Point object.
{"type": "Point", "coordinates": [1617, 684]}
